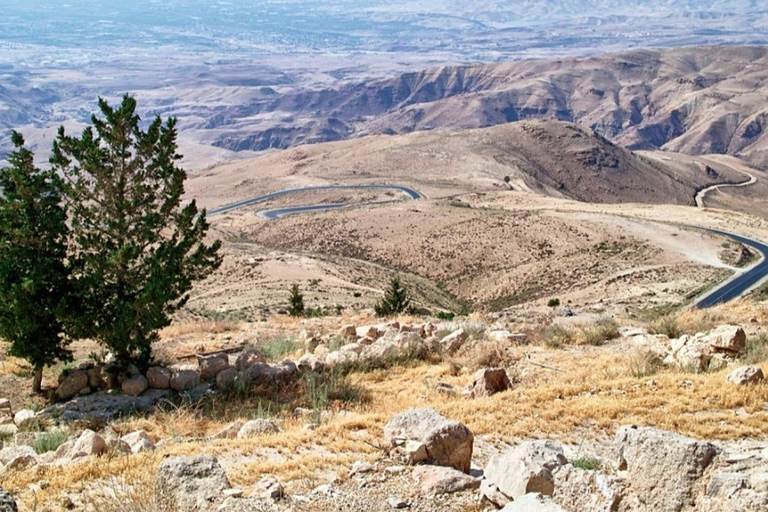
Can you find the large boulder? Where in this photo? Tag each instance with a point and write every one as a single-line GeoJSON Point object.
{"type": "Point", "coordinates": [489, 381]}
{"type": "Point", "coordinates": [527, 468]}
{"type": "Point", "coordinates": [729, 338]}
{"type": "Point", "coordinates": [190, 484]}
{"type": "Point", "coordinates": [393, 346]}
{"type": "Point", "coordinates": [211, 365]}
{"type": "Point", "coordinates": [185, 378]}
{"type": "Point", "coordinates": [71, 384]}
{"type": "Point", "coordinates": [311, 363]}
{"type": "Point", "coordinates": [535, 502]}
{"type": "Point", "coordinates": [89, 443]}
{"type": "Point", "coordinates": [454, 341]}
{"type": "Point", "coordinates": [663, 467]}
{"type": "Point", "coordinates": [25, 418]}
{"type": "Point", "coordinates": [7, 503]}
{"type": "Point", "coordinates": [227, 378]}
{"type": "Point", "coordinates": [249, 358]}
{"type": "Point", "coordinates": [435, 480]}
{"type": "Point", "coordinates": [135, 385]}
{"type": "Point", "coordinates": [581, 489]}
{"type": "Point", "coordinates": [746, 375]}
{"type": "Point", "coordinates": [447, 442]}
{"type": "Point", "coordinates": [341, 357]}
{"type": "Point", "coordinates": [159, 377]}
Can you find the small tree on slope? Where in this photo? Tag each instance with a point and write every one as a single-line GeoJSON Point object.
{"type": "Point", "coordinates": [396, 299]}
{"type": "Point", "coordinates": [34, 284]}
{"type": "Point", "coordinates": [138, 249]}
{"type": "Point", "coordinates": [297, 301]}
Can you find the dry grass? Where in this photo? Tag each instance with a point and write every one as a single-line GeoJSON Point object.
{"type": "Point", "coordinates": [206, 327]}
{"type": "Point", "coordinates": [594, 333]}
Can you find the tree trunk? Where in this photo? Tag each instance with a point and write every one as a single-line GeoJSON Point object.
{"type": "Point", "coordinates": [37, 380]}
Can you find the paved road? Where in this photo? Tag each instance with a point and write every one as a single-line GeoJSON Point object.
{"type": "Point", "coordinates": [410, 192]}
{"type": "Point", "coordinates": [741, 283]}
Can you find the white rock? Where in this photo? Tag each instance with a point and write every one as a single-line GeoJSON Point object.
{"type": "Point", "coordinates": [525, 469]}
{"type": "Point", "coordinates": [258, 427]}
{"type": "Point", "coordinates": [139, 441]}
{"type": "Point", "coordinates": [746, 375]}
{"type": "Point", "coordinates": [454, 341]}
{"type": "Point", "coordinates": [24, 418]}
{"type": "Point", "coordinates": [533, 503]}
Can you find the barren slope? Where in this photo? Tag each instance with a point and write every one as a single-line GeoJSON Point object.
{"type": "Point", "coordinates": [547, 157]}
{"type": "Point", "coordinates": [694, 100]}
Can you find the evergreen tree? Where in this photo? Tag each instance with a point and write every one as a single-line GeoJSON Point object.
{"type": "Point", "coordinates": [396, 299]}
{"type": "Point", "coordinates": [297, 301]}
{"type": "Point", "coordinates": [34, 284]}
{"type": "Point", "coordinates": [139, 249]}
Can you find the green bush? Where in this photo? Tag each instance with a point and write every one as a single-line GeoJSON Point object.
{"type": "Point", "coordinates": [588, 463]}
{"type": "Point", "coordinates": [49, 441]}
{"type": "Point", "coordinates": [446, 315]}
{"type": "Point", "coordinates": [553, 303]}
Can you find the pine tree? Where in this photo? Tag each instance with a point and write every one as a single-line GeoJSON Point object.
{"type": "Point", "coordinates": [395, 300]}
{"type": "Point", "coordinates": [139, 249]}
{"type": "Point", "coordinates": [297, 301]}
{"type": "Point", "coordinates": [34, 284]}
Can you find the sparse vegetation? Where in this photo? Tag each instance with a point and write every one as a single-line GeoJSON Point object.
{"type": "Point", "coordinates": [595, 333]}
{"type": "Point", "coordinates": [666, 325]}
{"type": "Point", "coordinates": [553, 303]}
{"type": "Point", "coordinates": [757, 349]}
{"type": "Point", "coordinates": [275, 349]}
{"type": "Point", "coordinates": [587, 463]}
{"type": "Point", "coordinates": [445, 316]}
{"type": "Point", "coordinates": [49, 441]}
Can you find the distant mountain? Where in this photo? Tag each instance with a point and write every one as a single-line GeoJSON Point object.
{"type": "Point", "coordinates": [690, 100]}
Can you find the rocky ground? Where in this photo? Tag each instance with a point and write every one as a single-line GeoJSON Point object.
{"type": "Point", "coordinates": [420, 414]}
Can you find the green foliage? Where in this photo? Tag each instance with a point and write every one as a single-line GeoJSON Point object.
{"type": "Point", "coordinates": [139, 248]}
{"type": "Point", "coordinates": [395, 300]}
{"type": "Point", "coordinates": [446, 315]}
{"type": "Point", "coordinates": [277, 348]}
{"type": "Point", "coordinates": [587, 463]}
{"type": "Point", "coordinates": [49, 441]}
{"type": "Point", "coordinates": [297, 301]}
{"type": "Point", "coordinates": [553, 303]}
{"type": "Point", "coordinates": [34, 281]}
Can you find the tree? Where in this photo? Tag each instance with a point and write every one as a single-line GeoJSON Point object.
{"type": "Point", "coordinates": [553, 303]}
{"type": "Point", "coordinates": [396, 299]}
{"type": "Point", "coordinates": [138, 248]}
{"type": "Point", "coordinates": [34, 283]}
{"type": "Point", "coordinates": [297, 301]}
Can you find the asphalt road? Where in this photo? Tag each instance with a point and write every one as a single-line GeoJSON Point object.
{"type": "Point", "coordinates": [730, 290]}
{"type": "Point", "coordinates": [742, 283]}
{"type": "Point", "coordinates": [412, 193]}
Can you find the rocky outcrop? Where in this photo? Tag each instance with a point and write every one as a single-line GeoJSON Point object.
{"type": "Point", "coordinates": [489, 381]}
{"type": "Point", "coordinates": [528, 468]}
{"type": "Point", "coordinates": [454, 341]}
{"type": "Point", "coordinates": [190, 484]}
{"type": "Point", "coordinates": [707, 351]}
{"type": "Point", "coordinates": [446, 442]}
{"type": "Point", "coordinates": [662, 468]}
{"type": "Point", "coordinates": [435, 480]}
{"type": "Point", "coordinates": [581, 489]}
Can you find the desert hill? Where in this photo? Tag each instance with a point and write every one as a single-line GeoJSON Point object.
{"type": "Point", "coordinates": [695, 100]}
{"type": "Point", "coordinates": [547, 157]}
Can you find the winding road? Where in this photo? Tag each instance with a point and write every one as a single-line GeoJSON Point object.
{"type": "Point", "coordinates": [732, 289]}
{"type": "Point", "coordinates": [701, 194]}
{"type": "Point", "coordinates": [282, 212]}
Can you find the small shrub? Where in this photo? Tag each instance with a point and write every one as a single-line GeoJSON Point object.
{"type": "Point", "coordinates": [445, 315]}
{"type": "Point", "coordinates": [277, 348]}
{"type": "Point", "coordinates": [644, 363]}
{"type": "Point", "coordinates": [49, 441]}
{"type": "Point", "coordinates": [604, 329]}
{"type": "Point", "coordinates": [556, 336]}
{"type": "Point", "coordinates": [396, 299]}
{"type": "Point", "coordinates": [666, 325]}
{"type": "Point", "coordinates": [587, 463]}
{"type": "Point", "coordinates": [357, 295]}
{"type": "Point", "coordinates": [553, 303]}
{"type": "Point", "coordinates": [297, 301]}
{"type": "Point", "coordinates": [757, 349]}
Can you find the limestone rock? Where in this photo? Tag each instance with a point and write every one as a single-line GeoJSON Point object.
{"type": "Point", "coordinates": [18, 457]}
{"type": "Point", "coordinates": [581, 489]}
{"type": "Point", "coordinates": [454, 341]}
{"type": "Point", "coordinates": [25, 418]}
{"type": "Point", "coordinates": [488, 382]}
{"type": "Point", "coordinates": [448, 442]}
{"type": "Point", "coordinates": [230, 431]}
{"type": "Point", "coordinates": [270, 488]}
{"type": "Point", "coordinates": [89, 443]}
{"type": "Point", "coordinates": [662, 467]}
{"type": "Point", "coordinates": [527, 468]}
{"type": "Point", "coordinates": [340, 357]}
{"type": "Point", "coordinates": [135, 385]}
{"type": "Point", "coordinates": [72, 384]}
{"type": "Point", "coordinates": [348, 332]}
{"type": "Point", "coordinates": [311, 363]}
{"type": "Point", "coordinates": [731, 338]}
{"type": "Point", "coordinates": [258, 427]}
{"type": "Point", "coordinates": [190, 484]}
{"type": "Point", "coordinates": [211, 365]}
{"type": "Point", "coordinates": [534, 502]}
{"type": "Point", "coordinates": [249, 358]}
{"type": "Point", "coordinates": [746, 375]}
{"type": "Point", "coordinates": [185, 378]}
{"type": "Point", "coordinates": [227, 378]}
{"type": "Point", "coordinates": [159, 377]}
{"type": "Point", "coordinates": [441, 480]}
{"type": "Point", "coordinates": [139, 441]}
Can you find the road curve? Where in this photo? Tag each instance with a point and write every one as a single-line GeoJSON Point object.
{"type": "Point", "coordinates": [742, 282]}
{"type": "Point", "coordinates": [701, 194]}
{"type": "Point", "coordinates": [410, 192]}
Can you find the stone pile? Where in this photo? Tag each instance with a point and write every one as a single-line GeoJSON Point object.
{"type": "Point", "coordinates": [707, 351]}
